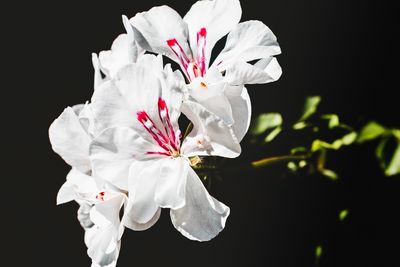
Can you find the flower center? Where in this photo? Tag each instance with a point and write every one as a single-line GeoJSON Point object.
{"type": "Point", "coordinates": [167, 139]}
{"type": "Point", "coordinates": [192, 67]}
{"type": "Point", "coordinates": [100, 195]}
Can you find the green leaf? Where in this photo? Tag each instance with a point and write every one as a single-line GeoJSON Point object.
{"type": "Point", "coordinates": [310, 107]}
{"type": "Point", "coordinates": [371, 131]}
{"type": "Point", "coordinates": [343, 214]}
{"type": "Point", "coordinates": [346, 140]}
{"type": "Point", "coordinates": [388, 154]}
{"type": "Point", "coordinates": [266, 121]}
{"type": "Point", "coordinates": [273, 134]}
{"type": "Point", "coordinates": [298, 149]}
{"type": "Point", "coordinates": [300, 125]}
{"type": "Point", "coordinates": [396, 133]}
{"type": "Point", "coordinates": [318, 252]}
{"type": "Point", "coordinates": [292, 166]}
{"type": "Point", "coordinates": [333, 120]}
{"type": "Point", "coordinates": [330, 174]}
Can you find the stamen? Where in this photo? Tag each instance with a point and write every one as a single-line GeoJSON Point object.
{"type": "Point", "coordinates": [203, 85]}
{"type": "Point", "coordinates": [166, 139]}
{"type": "Point", "coordinates": [153, 130]}
{"type": "Point", "coordinates": [201, 45]}
{"type": "Point", "coordinates": [177, 49]}
{"type": "Point", "coordinates": [100, 196]}
{"type": "Point", "coordinates": [163, 113]}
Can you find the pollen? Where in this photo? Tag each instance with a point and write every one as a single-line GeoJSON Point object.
{"type": "Point", "coordinates": [100, 196]}
{"type": "Point", "coordinates": [203, 85]}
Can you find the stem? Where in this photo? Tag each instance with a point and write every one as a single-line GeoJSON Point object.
{"type": "Point", "coordinates": [189, 128]}
{"type": "Point", "coordinates": [265, 161]}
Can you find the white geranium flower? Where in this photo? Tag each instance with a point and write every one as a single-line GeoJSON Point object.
{"type": "Point", "coordinates": [189, 42]}
{"type": "Point", "coordinates": [98, 214]}
{"type": "Point", "coordinates": [144, 155]}
{"type": "Point", "coordinates": [70, 135]}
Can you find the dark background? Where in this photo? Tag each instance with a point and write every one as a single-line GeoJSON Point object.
{"type": "Point", "coordinates": [344, 51]}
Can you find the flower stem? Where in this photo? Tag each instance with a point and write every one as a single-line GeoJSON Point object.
{"type": "Point", "coordinates": [266, 161]}
{"type": "Point", "coordinates": [189, 128]}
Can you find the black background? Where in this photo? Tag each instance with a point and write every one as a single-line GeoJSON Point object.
{"type": "Point", "coordinates": [344, 51]}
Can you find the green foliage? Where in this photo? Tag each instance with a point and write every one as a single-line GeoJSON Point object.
{"type": "Point", "coordinates": [318, 253]}
{"type": "Point", "coordinates": [265, 122]}
{"type": "Point", "coordinates": [326, 132]}
{"type": "Point", "coordinates": [333, 120]}
{"type": "Point", "coordinates": [310, 107]}
{"type": "Point", "coordinates": [371, 131]}
{"type": "Point", "coordinates": [388, 154]}
{"type": "Point", "coordinates": [343, 214]}
{"type": "Point", "coordinates": [274, 133]}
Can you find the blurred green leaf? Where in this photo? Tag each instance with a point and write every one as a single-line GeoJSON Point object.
{"type": "Point", "coordinates": [273, 134]}
{"type": "Point", "coordinates": [370, 131]}
{"type": "Point", "coordinates": [300, 125]}
{"type": "Point", "coordinates": [330, 174]}
{"type": "Point", "coordinates": [343, 214]}
{"type": "Point", "coordinates": [266, 121]}
{"type": "Point", "coordinates": [310, 107]}
{"type": "Point", "coordinates": [318, 252]}
{"type": "Point", "coordinates": [333, 120]}
{"type": "Point", "coordinates": [292, 166]}
{"type": "Point", "coordinates": [298, 149]}
{"type": "Point", "coordinates": [388, 154]}
{"type": "Point", "coordinates": [396, 133]}
{"type": "Point", "coordinates": [346, 140]}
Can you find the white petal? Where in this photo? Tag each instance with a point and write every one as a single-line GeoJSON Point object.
{"type": "Point", "coordinates": [171, 185]}
{"type": "Point", "coordinates": [103, 239]}
{"type": "Point", "coordinates": [87, 120]}
{"type": "Point", "coordinates": [210, 134]}
{"type": "Point", "coordinates": [218, 17]}
{"type": "Point", "coordinates": [158, 25]}
{"type": "Point", "coordinates": [212, 84]}
{"type": "Point", "coordinates": [83, 215]}
{"type": "Point", "coordinates": [69, 139]}
{"type": "Point", "coordinates": [113, 151]}
{"type": "Point", "coordinates": [143, 177]}
{"type": "Point", "coordinates": [250, 40]}
{"type": "Point", "coordinates": [241, 112]}
{"type": "Point", "coordinates": [264, 71]}
{"type": "Point", "coordinates": [123, 51]}
{"type": "Point", "coordinates": [132, 224]}
{"type": "Point", "coordinates": [116, 102]}
{"type": "Point", "coordinates": [98, 80]}
{"type": "Point", "coordinates": [103, 246]}
{"type": "Point", "coordinates": [107, 211]}
{"type": "Point", "coordinates": [77, 183]}
{"type": "Point", "coordinates": [203, 217]}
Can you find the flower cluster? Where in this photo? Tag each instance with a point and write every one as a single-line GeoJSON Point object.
{"type": "Point", "coordinates": [128, 155]}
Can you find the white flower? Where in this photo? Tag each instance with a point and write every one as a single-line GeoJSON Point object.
{"type": "Point", "coordinates": [189, 41]}
{"type": "Point", "coordinates": [70, 135]}
{"type": "Point", "coordinates": [98, 214]}
{"type": "Point", "coordinates": [144, 156]}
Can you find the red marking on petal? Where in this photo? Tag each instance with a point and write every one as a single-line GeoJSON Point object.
{"type": "Point", "coordinates": [172, 42]}
{"type": "Point", "coordinates": [201, 54]}
{"type": "Point", "coordinates": [142, 116]}
{"type": "Point", "coordinates": [161, 104]}
{"type": "Point", "coordinates": [100, 196]}
{"type": "Point", "coordinates": [203, 31]}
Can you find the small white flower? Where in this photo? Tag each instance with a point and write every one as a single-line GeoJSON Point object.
{"type": "Point", "coordinates": [144, 156]}
{"type": "Point", "coordinates": [70, 135]}
{"type": "Point", "coordinates": [189, 41]}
